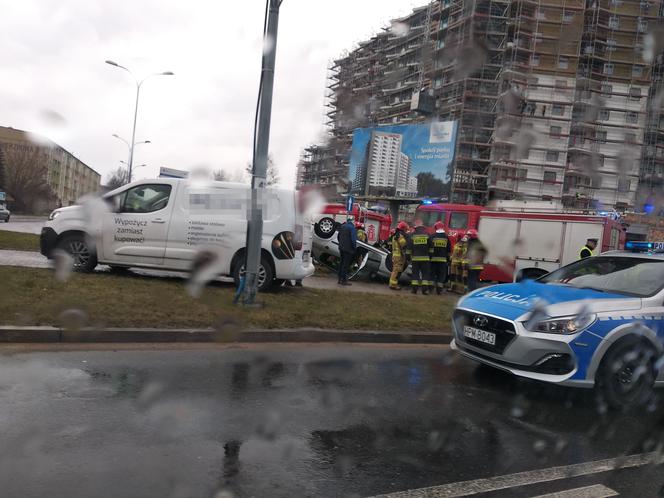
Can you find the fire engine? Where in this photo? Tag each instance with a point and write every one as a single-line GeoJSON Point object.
{"type": "Point", "coordinates": [526, 239]}
{"type": "Point", "coordinates": [376, 224]}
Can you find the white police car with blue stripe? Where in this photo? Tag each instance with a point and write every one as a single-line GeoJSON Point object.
{"type": "Point", "coordinates": [596, 322]}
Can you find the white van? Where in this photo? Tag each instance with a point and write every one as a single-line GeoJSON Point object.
{"type": "Point", "coordinates": [165, 223]}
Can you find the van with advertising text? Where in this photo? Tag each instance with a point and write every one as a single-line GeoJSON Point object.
{"type": "Point", "coordinates": [167, 223]}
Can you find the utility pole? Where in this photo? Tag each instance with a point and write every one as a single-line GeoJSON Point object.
{"type": "Point", "coordinates": [259, 167]}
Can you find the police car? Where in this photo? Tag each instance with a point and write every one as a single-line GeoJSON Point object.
{"type": "Point", "coordinates": [597, 322]}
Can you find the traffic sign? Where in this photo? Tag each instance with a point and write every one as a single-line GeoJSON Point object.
{"type": "Point", "coordinates": [350, 200]}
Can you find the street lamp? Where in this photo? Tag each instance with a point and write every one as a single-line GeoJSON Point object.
{"type": "Point", "coordinates": [128, 144]}
{"type": "Point", "coordinates": [138, 92]}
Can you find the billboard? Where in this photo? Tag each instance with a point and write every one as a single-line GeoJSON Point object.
{"type": "Point", "coordinates": [386, 160]}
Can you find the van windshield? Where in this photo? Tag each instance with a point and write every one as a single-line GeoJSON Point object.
{"type": "Point", "coordinates": [641, 277]}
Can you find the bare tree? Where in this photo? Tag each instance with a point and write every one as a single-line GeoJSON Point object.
{"type": "Point", "coordinates": [272, 177]}
{"type": "Point", "coordinates": [118, 178]}
{"type": "Point", "coordinates": [26, 177]}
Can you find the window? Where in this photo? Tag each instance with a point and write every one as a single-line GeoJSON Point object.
{"type": "Point", "coordinates": [608, 68]}
{"type": "Point", "coordinates": [535, 60]}
{"type": "Point", "coordinates": [637, 71]}
{"type": "Point", "coordinates": [630, 138]}
{"type": "Point", "coordinates": [541, 15]}
{"type": "Point", "coordinates": [143, 199]}
{"type": "Point", "coordinates": [610, 45]}
{"type": "Point", "coordinates": [459, 220]}
{"type": "Point", "coordinates": [563, 62]}
{"type": "Point", "coordinates": [522, 174]}
{"type": "Point", "coordinates": [596, 181]}
{"type": "Point", "coordinates": [600, 135]}
{"type": "Point", "coordinates": [614, 22]}
{"type": "Point", "coordinates": [616, 3]}
{"type": "Point", "coordinates": [549, 177]}
{"type": "Point", "coordinates": [557, 110]}
{"type": "Point", "coordinates": [604, 115]}
{"type": "Point", "coordinates": [607, 89]}
{"type": "Point", "coordinates": [555, 131]}
{"type": "Point", "coordinates": [624, 185]}
{"type": "Point", "coordinates": [560, 85]}
{"type": "Point", "coordinates": [568, 16]}
{"type": "Point", "coordinates": [641, 25]}
{"type": "Point", "coordinates": [635, 93]}
{"type": "Point", "coordinates": [551, 156]}
{"type": "Point", "coordinates": [631, 276]}
{"type": "Point", "coordinates": [632, 117]}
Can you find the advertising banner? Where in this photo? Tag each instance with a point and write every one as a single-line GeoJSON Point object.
{"type": "Point", "coordinates": [402, 160]}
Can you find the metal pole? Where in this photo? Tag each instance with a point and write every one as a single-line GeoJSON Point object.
{"type": "Point", "coordinates": [133, 133]}
{"type": "Point", "coordinates": [259, 171]}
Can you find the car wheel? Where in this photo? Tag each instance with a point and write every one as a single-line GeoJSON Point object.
{"type": "Point", "coordinates": [265, 274]}
{"type": "Point", "coordinates": [84, 255]}
{"type": "Point", "coordinates": [627, 373]}
{"type": "Point", "coordinates": [325, 228]}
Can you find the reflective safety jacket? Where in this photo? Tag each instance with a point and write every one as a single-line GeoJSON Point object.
{"type": "Point", "coordinates": [420, 244]}
{"type": "Point", "coordinates": [399, 243]}
{"type": "Point", "coordinates": [458, 253]}
{"type": "Point", "coordinates": [362, 235]}
{"type": "Point", "coordinates": [475, 254]}
{"type": "Point", "coordinates": [440, 248]}
{"type": "Point", "coordinates": [585, 252]}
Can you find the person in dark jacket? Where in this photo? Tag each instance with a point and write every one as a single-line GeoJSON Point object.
{"type": "Point", "coordinates": [347, 238]}
{"type": "Point", "coordinates": [420, 244]}
{"type": "Point", "coordinates": [440, 253]}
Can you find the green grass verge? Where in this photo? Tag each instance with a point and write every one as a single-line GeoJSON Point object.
{"type": "Point", "coordinates": [19, 241]}
{"type": "Point", "coordinates": [34, 297]}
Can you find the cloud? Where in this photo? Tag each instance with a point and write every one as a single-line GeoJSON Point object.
{"type": "Point", "coordinates": [53, 67]}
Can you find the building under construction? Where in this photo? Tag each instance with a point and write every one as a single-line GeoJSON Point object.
{"type": "Point", "coordinates": [554, 99]}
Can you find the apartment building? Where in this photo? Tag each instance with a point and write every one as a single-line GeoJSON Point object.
{"type": "Point", "coordinates": [68, 177]}
{"type": "Point", "coordinates": [554, 99]}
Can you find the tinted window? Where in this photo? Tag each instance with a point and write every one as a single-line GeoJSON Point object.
{"type": "Point", "coordinates": [459, 220]}
{"type": "Point", "coordinates": [145, 198]}
{"type": "Point", "coordinates": [622, 275]}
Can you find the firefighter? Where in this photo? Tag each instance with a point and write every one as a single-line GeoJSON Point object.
{"type": "Point", "coordinates": [399, 243]}
{"type": "Point", "coordinates": [361, 233]}
{"type": "Point", "coordinates": [420, 244]}
{"type": "Point", "coordinates": [475, 254]}
{"type": "Point", "coordinates": [457, 262]}
{"type": "Point", "coordinates": [587, 250]}
{"type": "Point", "coordinates": [440, 251]}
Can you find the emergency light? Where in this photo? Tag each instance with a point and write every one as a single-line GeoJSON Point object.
{"type": "Point", "coordinates": [637, 246]}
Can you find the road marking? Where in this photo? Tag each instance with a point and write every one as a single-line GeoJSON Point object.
{"type": "Point", "coordinates": [468, 488]}
{"type": "Point", "coordinates": [596, 491]}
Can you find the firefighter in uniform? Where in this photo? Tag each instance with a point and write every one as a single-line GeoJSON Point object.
{"type": "Point", "coordinates": [457, 264]}
{"type": "Point", "coordinates": [399, 244]}
{"type": "Point", "coordinates": [361, 233]}
{"type": "Point", "coordinates": [475, 254]}
{"type": "Point", "coordinates": [587, 250]}
{"type": "Point", "coordinates": [440, 251]}
{"type": "Point", "coordinates": [420, 243]}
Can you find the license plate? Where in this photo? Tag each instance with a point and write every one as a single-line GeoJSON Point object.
{"type": "Point", "coordinates": [479, 335]}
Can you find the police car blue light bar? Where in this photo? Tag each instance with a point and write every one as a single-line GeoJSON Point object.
{"type": "Point", "coordinates": [639, 246]}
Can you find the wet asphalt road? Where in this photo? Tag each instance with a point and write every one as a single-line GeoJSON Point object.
{"type": "Point", "coordinates": [287, 420]}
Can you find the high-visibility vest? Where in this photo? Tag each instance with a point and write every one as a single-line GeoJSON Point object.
{"type": "Point", "coordinates": [585, 252]}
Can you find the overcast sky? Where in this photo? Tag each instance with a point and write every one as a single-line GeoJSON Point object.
{"type": "Point", "coordinates": [52, 57]}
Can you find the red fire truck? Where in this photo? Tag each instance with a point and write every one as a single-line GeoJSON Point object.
{"type": "Point", "coordinates": [376, 224]}
{"type": "Point", "coordinates": [526, 239]}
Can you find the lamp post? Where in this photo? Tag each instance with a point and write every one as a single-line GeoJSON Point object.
{"type": "Point", "coordinates": [129, 146]}
{"type": "Point", "coordinates": [139, 83]}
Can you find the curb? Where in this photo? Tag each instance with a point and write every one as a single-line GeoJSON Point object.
{"type": "Point", "coordinates": [43, 334]}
